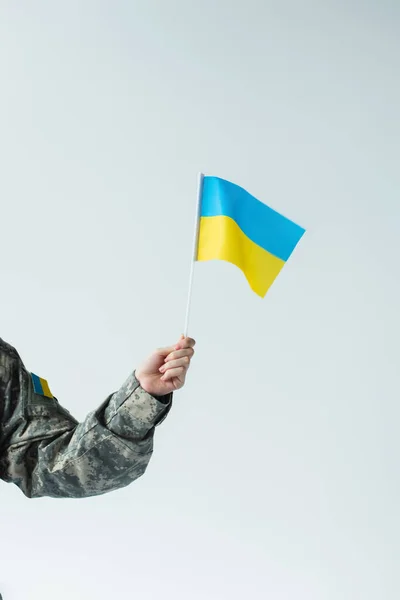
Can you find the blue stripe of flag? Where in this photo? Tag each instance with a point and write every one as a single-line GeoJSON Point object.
{"type": "Point", "coordinates": [37, 385]}
{"type": "Point", "coordinates": [260, 223]}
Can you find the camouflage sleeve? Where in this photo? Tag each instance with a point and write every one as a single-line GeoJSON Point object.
{"type": "Point", "coordinates": [46, 452]}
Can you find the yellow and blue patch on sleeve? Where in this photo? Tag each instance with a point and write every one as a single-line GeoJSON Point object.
{"type": "Point", "coordinates": [41, 387]}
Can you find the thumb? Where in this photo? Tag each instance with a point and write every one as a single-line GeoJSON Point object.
{"type": "Point", "coordinates": [164, 351]}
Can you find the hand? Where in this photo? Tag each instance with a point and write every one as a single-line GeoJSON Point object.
{"type": "Point", "coordinates": [165, 370]}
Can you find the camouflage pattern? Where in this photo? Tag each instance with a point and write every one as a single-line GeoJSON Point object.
{"type": "Point", "coordinates": [46, 452]}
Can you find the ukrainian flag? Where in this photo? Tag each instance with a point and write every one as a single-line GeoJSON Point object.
{"type": "Point", "coordinates": [41, 387]}
{"type": "Point", "coordinates": [236, 227]}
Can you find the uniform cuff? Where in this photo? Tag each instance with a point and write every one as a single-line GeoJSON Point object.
{"type": "Point", "coordinates": [132, 412]}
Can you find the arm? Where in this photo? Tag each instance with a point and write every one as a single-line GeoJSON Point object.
{"type": "Point", "coordinates": [46, 452]}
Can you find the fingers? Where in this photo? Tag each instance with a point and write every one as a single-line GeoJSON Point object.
{"type": "Point", "coordinates": [183, 348]}
{"type": "Point", "coordinates": [183, 361]}
{"type": "Point", "coordinates": [185, 343]}
{"type": "Point", "coordinates": [185, 353]}
{"type": "Point", "coordinates": [177, 373]}
{"type": "Point", "coordinates": [176, 361]}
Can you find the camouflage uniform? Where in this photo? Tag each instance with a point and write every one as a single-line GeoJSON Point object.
{"type": "Point", "coordinates": [46, 452]}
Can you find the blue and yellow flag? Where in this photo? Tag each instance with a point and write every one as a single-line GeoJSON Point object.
{"type": "Point", "coordinates": [40, 386]}
{"type": "Point", "coordinates": [238, 228]}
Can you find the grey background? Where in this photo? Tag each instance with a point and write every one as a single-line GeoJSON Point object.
{"type": "Point", "coordinates": [276, 474]}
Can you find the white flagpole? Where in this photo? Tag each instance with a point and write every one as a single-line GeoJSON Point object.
{"type": "Point", "coordinates": [194, 252]}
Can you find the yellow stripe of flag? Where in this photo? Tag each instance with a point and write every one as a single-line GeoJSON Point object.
{"type": "Point", "coordinates": [46, 389]}
{"type": "Point", "coordinates": [220, 238]}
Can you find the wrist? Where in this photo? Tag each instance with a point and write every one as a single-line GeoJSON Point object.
{"type": "Point", "coordinates": [163, 398]}
{"type": "Point", "coordinates": [139, 378]}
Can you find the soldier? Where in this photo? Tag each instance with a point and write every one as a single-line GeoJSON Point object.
{"type": "Point", "coordinates": [46, 452]}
